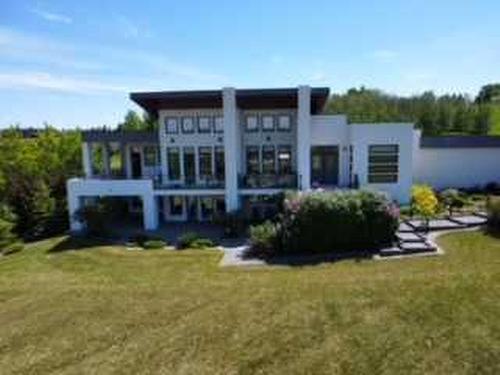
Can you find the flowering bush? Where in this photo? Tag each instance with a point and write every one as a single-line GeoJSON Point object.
{"type": "Point", "coordinates": [424, 201]}
{"type": "Point", "coordinates": [320, 222]}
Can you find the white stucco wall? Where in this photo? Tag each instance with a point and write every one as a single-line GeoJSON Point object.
{"type": "Point", "coordinates": [457, 167]}
{"type": "Point", "coordinates": [402, 134]}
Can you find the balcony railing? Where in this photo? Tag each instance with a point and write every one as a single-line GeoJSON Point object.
{"type": "Point", "coordinates": [268, 181]}
{"type": "Point", "coordinates": [208, 183]}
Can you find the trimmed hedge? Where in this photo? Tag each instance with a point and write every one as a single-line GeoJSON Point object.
{"type": "Point", "coordinates": [493, 207]}
{"type": "Point", "coordinates": [325, 222]}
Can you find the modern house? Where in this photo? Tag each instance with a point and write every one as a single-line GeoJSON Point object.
{"type": "Point", "coordinates": [218, 151]}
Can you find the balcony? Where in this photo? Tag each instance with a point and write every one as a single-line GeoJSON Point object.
{"type": "Point", "coordinates": [207, 183]}
{"type": "Point", "coordinates": [268, 181]}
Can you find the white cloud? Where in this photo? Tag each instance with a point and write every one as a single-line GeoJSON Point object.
{"type": "Point", "coordinates": [42, 80]}
{"type": "Point", "coordinates": [51, 16]}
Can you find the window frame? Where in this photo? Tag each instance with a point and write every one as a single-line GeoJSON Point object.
{"type": "Point", "coordinates": [383, 177]}
{"type": "Point", "coordinates": [166, 123]}
{"type": "Point", "coordinates": [171, 200]}
{"type": "Point", "coordinates": [278, 126]}
{"type": "Point", "coordinates": [208, 130]}
{"type": "Point", "coordinates": [178, 152]}
{"type": "Point", "coordinates": [258, 163]}
{"type": "Point", "coordinates": [273, 123]}
{"type": "Point", "coordinates": [215, 121]}
{"type": "Point", "coordinates": [145, 150]}
{"type": "Point", "coordinates": [193, 125]}
{"type": "Point", "coordinates": [264, 162]}
{"type": "Point", "coordinates": [282, 149]}
{"type": "Point", "coordinates": [211, 165]}
{"type": "Point", "coordinates": [253, 130]}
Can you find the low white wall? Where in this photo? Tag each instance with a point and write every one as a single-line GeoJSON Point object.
{"type": "Point", "coordinates": [457, 167]}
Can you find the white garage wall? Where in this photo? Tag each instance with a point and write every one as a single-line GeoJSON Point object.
{"type": "Point", "coordinates": [457, 167]}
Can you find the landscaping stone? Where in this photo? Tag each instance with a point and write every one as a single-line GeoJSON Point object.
{"type": "Point", "coordinates": [404, 227]}
{"type": "Point", "coordinates": [470, 220]}
{"type": "Point", "coordinates": [409, 237]}
{"type": "Point", "coordinates": [436, 224]}
{"type": "Point", "coordinates": [481, 214]}
{"type": "Point", "coordinates": [413, 247]}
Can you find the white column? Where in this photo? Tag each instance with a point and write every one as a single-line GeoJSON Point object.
{"type": "Point", "coordinates": [87, 159]}
{"type": "Point", "coordinates": [74, 203]}
{"type": "Point", "coordinates": [105, 159]}
{"type": "Point", "coordinates": [231, 155]}
{"type": "Point", "coordinates": [304, 138]}
{"type": "Point", "coordinates": [128, 162]}
{"type": "Point", "coordinates": [163, 150]}
{"type": "Point", "coordinates": [150, 211]}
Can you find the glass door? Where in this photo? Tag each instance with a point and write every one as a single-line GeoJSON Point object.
{"type": "Point", "coordinates": [324, 166]}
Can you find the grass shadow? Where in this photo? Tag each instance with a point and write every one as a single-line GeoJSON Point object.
{"type": "Point", "coordinates": [79, 243]}
{"type": "Point", "coordinates": [315, 259]}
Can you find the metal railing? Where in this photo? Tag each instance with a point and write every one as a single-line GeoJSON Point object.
{"type": "Point", "coordinates": [263, 181]}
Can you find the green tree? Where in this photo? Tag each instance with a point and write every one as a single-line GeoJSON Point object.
{"type": "Point", "coordinates": [134, 122]}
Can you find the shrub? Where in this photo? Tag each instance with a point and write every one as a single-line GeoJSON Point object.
{"type": "Point", "coordinates": [202, 243]}
{"type": "Point", "coordinates": [338, 221]}
{"type": "Point", "coordinates": [424, 201]}
{"type": "Point", "coordinates": [154, 244]}
{"type": "Point", "coordinates": [264, 240]}
{"type": "Point", "coordinates": [452, 199]}
{"type": "Point", "coordinates": [186, 240]}
{"type": "Point", "coordinates": [493, 208]}
{"type": "Point", "coordinates": [7, 220]}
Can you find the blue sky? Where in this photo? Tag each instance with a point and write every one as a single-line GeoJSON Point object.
{"type": "Point", "coordinates": [72, 63]}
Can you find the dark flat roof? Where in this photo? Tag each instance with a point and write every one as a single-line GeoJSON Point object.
{"type": "Point", "coordinates": [246, 99]}
{"type": "Point", "coordinates": [459, 141]}
{"type": "Point", "coordinates": [119, 136]}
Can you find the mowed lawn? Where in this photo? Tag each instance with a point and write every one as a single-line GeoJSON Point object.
{"type": "Point", "coordinates": [108, 310]}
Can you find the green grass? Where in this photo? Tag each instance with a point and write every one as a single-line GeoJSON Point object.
{"type": "Point", "coordinates": [103, 310]}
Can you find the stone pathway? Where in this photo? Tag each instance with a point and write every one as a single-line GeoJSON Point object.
{"type": "Point", "coordinates": [412, 240]}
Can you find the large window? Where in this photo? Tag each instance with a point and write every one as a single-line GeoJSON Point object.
{"type": "Point", "coordinates": [189, 165]}
{"type": "Point", "coordinates": [150, 156]}
{"type": "Point", "coordinates": [219, 163]}
{"type": "Point", "coordinates": [268, 123]}
{"type": "Point", "coordinates": [253, 160]}
{"type": "Point", "coordinates": [268, 160]}
{"type": "Point", "coordinates": [204, 124]}
{"type": "Point", "coordinates": [176, 206]}
{"type": "Point", "coordinates": [206, 208]}
{"type": "Point", "coordinates": [205, 162]}
{"type": "Point", "coordinates": [284, 160]}
{"type": "Point", "coordinates": [383, 163]}
{"type": "Point", "coordinates": [171, 126]}
{"type": "Point", "coordinates": [174, 163]}
{"type": "Point", "coordinates": [251, 123]}
{"type": "Point", "coordinates": [187, 125]}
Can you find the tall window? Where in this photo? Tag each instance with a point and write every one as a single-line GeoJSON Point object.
{"type": "Point", "coordinates": [268, 160]}
{"type": "Point", "coordinates": [284, 123]}
{"type": "Point", "coordinates": [204, 125]}
{"type": "Point", "coordinates": [268, 123]}
{"type": "Point", "coordinates": [284, 160]}
{"type": "Point", "coordinates": [253, 160]}
{"type": "Point", "coordinates": [219, 124]}
{"type": "Point", "coordinates": [206, 208]}
{"type": "Point", "coordinates": [174, 163]}
{"type": "Point", "coordinates": [150, 156]}
{"type": "Point", "coordinates": [189, 165]}
{"type": "Point", "coordinates": [351, 164]}
{"type": "Point", "coordinates": [187, 125]}
{"type": "Point", "coordinates": [219, 163]}
{"type": "Point", "coordinates": [171, 126]}
{"type": "Point", "coordinates": [383, 163]}
{"type": "Point", "coordinates": [251, 123]}
{"type": "Point", "coordinates": [205, 162]}
{"type": "Point", "coordinates": [176, 205]}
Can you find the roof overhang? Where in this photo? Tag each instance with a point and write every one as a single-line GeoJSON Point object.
{"type": "Point", "coordinates": [460, 141]}
{"type": "Point", "coordinates": [245, 98]}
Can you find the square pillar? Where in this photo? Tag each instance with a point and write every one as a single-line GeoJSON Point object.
{"type": "Point", "coordinates": [87, 159]}
{"type": "Point", "coordinates": [304, 138]}
{"type": "Point", "coordinates": [231, 141]}
{"type": "Point", "coordinates": [150, 211]}
{"type": "Point", "coordinates": [74, 204]}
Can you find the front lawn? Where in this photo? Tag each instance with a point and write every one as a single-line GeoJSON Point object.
{"type": "Point", "coordinates": [103, 309]}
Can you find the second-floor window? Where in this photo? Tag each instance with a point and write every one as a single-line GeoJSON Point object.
{"type": "Point", "coordinates": [251, 123]}
{"type": "Point", "coordinates": [284, 160]}
{"type": "Point", "coordinates": [267, 123]}
{"type": "Point", "coordinates": [150, 156]}
{"type": "Point", "coordinates": [268, 160]}
{"type": "Point", "coordinates": [284, 123]}
{"type": "Point", "coordinates": [205, 162]}
{"type": "Point", "coordinates": [219, 124]}
{"type": "Point", "coordinates": [171, 125]}
{"type": "Point", "coordinates": [383, 163]}
{"type": "Point", "coordinates": [204, 124]}
{"type": "Point", "coordinates": [253, 160]}
{"type": "Point", "coordinates": [187, 125]}
{"type": "Point", "coordinates": [174, 163]}
{"type": "Point", "coordinates": [219, 163]}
